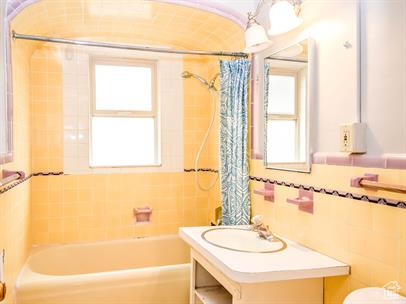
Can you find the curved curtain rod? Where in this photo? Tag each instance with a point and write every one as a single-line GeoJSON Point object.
{"type": "Point", "coordinates": [125, 46]}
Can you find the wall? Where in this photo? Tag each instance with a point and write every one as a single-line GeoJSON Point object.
{"type": "Point", "coordinates": [378, 32]}
{"type": "Point", "coordinates": [330, 24]}
{"type": "Point", "coordinates": [383, 85]}
{"type": "Point", "coordinates": [369, 237]}
{"type": "Point", "coordinates": [86, 207]}
{"type": "Point", "coordinates": [15, 220]}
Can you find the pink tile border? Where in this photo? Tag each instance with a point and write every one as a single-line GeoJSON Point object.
{"type": "Point", "coordinates": [385, 161]}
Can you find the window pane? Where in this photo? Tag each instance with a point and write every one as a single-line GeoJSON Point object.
{"type": "Point", "coordinates": [122, 141]}
{"type": "Point", "coordinates": [281, 94]}
{"type": "Point", "coordinates": [281, 141]}
{"type": "Point", "coordinates": [125, 88]}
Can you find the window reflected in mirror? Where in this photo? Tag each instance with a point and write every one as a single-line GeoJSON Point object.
{"type": "Point", "coordinates": [286, 104]}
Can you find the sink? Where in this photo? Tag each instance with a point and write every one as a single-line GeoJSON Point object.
{"type": "Point", "coordinates": [244, 240]}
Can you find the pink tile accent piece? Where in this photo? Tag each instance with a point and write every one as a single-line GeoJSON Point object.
{"type": "Point", "coordinates": [396, 161]}
{"type": "Point", "coordinates": [142, 214]}
{"type": "Point", "coordinates": [339, 159]}
{"type": "Point", "coordinates": [368, 161]}
{"type": "Point", "coordinates": [268, 193]}
{"type": "Point", "coordinates": [7, 173]}
{"type": "Point", "coordinates": [386, 161]}
{"type": "Point", "coordinates": [319, 158]}
{"type": "Point", "coordinates": [304, 201]}
{"type": "Point", "coordinates": [355, 181]}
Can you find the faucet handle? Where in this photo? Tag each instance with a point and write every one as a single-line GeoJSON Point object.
{"type": "Point", "coordinates": [257, 220]}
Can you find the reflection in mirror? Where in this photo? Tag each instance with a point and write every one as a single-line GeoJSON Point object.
{"type": "Point", "coordinates": [286, 105]}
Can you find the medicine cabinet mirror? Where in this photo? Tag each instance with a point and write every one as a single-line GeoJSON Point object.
{"type": "Point", "coordinates": [287, 100]}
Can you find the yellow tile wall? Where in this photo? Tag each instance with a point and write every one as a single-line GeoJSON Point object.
{"type": "Point", "coordinates": [369, 237]}
{"type": "Point", "coordinates": [151, 23]}
{"type": "Point", "coordinates": [74, 208]}
{"type": "Point", "coordinates": [15, 234]}
{"type": "Point", "coordinates": [94, 207]}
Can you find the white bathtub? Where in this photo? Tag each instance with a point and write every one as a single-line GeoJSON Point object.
{"type": "Point", "coordinates": [146, 270]}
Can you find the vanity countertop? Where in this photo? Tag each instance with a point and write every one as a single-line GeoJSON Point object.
{"type": "Point", "coordinates": [295, 262]}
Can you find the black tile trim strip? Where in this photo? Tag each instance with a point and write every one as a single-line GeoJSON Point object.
{"type": "Point", "coordinates": [14, 184]}
{"type": "Point", "coordinates": [354, 196]}
{"type": "Point", "coordinates": [47, 173]}
{"type": "Point", "coordinates": [201, 170]}
{"type": "Point", "coordinates": [20, 181]}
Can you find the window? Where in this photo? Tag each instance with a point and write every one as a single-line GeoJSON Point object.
{"type": "Point", "coordinates": [124, 118]}
{"type": "Point", "coordinates": [284, 125]}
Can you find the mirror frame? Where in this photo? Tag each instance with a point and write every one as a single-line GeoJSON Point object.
{"type": "Point", "coordinates": [304, 167]}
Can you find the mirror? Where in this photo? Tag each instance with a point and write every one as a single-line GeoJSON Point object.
{"type": "Point", "coordinates": [286, 102]}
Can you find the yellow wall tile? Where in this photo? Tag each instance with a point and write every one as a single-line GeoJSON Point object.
{"type": "Point", "coordinates": [369, 237]}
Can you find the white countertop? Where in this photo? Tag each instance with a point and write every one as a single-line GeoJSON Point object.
{"type": "Point", "coordinates": [295, 262]}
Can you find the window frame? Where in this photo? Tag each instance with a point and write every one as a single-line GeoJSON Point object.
{"type": "Point", "coordinates": [296, 116]}
{"type": "Point", "coordinates": [153, 113]}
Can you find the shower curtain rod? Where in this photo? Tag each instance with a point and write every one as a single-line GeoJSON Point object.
{"type": "Point", "coordinates": [124, 46]}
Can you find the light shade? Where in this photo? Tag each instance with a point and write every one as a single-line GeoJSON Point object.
{"type": "Point", "coordinates": [256, 39]}
{"type": "Point", "coordinates": [282, 18]}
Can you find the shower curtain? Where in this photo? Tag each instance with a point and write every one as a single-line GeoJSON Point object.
{"type": "Point", "coordinates": [234, 178]}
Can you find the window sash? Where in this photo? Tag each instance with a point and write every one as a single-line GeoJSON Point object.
{"type": "Point", "coordinates": [292, 73]}
{"type": "Point", "coordinates": [296, 115]}
{"type": "Point", "coordinates": [125, 114]}
{"type": "Point", "coordinates": [124, 62]}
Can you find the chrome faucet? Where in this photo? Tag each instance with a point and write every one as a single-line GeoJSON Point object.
{"type": "Point", "coordinates": [263, 230]}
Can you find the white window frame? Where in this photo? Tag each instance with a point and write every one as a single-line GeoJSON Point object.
{"type": "Point", "coordinates": [153, 113]}
{"type": "Point", "coordinates": [296, 115]}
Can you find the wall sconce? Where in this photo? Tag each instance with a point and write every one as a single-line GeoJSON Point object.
{"type": "Point", "coordinates": [256, 39]}
{"type": "Point", "coordinates": [283, 17]}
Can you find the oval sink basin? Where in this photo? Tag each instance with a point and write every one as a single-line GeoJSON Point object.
{"type": "Point", "coordinates": [244, 240]}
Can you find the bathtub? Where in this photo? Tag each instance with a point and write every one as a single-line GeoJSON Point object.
{"type": "Point", "coordinates": [145, 270]}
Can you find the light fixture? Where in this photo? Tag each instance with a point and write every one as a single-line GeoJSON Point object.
{"type": "Point", "coordinates": [256, 39]}
{"type": "Point", "coordinates": [283, 17]}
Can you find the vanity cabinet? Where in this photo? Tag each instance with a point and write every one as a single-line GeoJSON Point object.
{"type": "Point", "coordinates": [211, 286]}
{"type": "Point", "coordinates": [222, 276]}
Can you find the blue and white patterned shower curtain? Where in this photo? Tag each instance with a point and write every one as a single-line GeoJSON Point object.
{"type": "Point", "coordinates": [234, 178]}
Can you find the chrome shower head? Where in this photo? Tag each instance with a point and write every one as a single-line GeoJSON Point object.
{"type": "Point", "coordinates": [186, 74]}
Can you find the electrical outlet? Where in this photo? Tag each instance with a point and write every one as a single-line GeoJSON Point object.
{"type": "Point", "coordinates": [353, 138]}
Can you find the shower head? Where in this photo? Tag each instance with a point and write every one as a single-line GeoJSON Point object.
{"type": "Point", "coordinates": [186, 74]}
